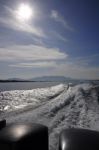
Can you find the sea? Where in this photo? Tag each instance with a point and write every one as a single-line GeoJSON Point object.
{"type": "Point", "coordinates": [9, 86]}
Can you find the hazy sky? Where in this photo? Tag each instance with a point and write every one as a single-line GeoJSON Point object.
{"type": "Point", "coordinates": [60, 38]}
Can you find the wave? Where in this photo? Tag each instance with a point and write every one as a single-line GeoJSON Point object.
{"type": "Point", "coordinates": [12, 100]}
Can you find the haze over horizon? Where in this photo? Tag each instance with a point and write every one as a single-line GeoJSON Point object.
{"type": "Point", "coordinates": [54, 38]}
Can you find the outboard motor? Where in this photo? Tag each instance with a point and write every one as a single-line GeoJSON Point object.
{"type": "Point", "coordinates": [79, 139]}
{"type": "Point", "coordinates": [24, 137]}
{"type": "Point", "coordinates": [2, 124]}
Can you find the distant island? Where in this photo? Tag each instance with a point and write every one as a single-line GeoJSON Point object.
{"type": "Point", "coordinates": [45, 79]}
{"type": "Point", "coordinates": [38, 79]}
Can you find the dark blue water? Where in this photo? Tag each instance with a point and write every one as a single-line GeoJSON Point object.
{"type": "Point", "coordinates": [25, 85]}
{"type": "Point", "coordinates": [7, 86]}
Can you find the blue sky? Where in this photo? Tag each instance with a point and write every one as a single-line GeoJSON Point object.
{"type": "Point", "coordinates": [61, 38]}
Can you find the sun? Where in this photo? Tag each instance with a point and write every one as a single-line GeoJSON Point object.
{"type": "Point", "coordinates": [24, 12]}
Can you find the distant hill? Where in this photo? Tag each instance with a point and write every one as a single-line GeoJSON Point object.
{"type": "Point", "coordinates": [15, 79]}
{"type": "Point", "coordinates": [51, 78]}
{"type": "Point", "coordinates": [39, 79]}
{"type": "Point", "coordinates": [12, 80]}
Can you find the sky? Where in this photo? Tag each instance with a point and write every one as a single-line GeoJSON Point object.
{"type": "Point", "coordinates": [61, 38]}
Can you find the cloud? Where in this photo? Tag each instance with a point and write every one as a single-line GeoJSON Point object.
{"type": "Point", "coordinates": [15, 25]}
{"type": "Point", "coordinates": [40, 64]}
{"type": "Point", "coordinates": [66, 68]}
{"type": "Point", "coordinates": [58, 18]}
{"type": "Point", "coordinates": [59, 36]}
{"type": "Point", "coordinates": [89, 57]}
{"type": "Point", "coordinates": [30, 53]}
{"type": "Point", "coordinates": [86, 60]}
{"type": "Point", "coordinates": [11, 21]}
{"type": "Point", "coordinates": [75, 71]}
{"type": "Point", "coordinates": [31, 68]}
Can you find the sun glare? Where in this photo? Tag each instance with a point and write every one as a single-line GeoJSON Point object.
{"type": "Point", "coordinates": [24, 12]}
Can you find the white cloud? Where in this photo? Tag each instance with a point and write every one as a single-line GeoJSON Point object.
{"type": "Point", "coordinates": [58, 18]}
{"type": "Point", "coordinates": [59, 36]}
{"type": "Point", "coordinates": [88, 58]}
{"type": "Point", "coordinates": [66, 68]}
{"type": "Point", "coordinates": [86, 61]}
{"type": "Point", "coordinates": [42, 64]}
{"type": "Point", "coordinates": [76, 71]}
{"type": "Point", "coordinates": [21, 26]}
{"type": "Point", "coordinates": [30, 53]}
{"type": "Point", "coordinates": [11, 21]}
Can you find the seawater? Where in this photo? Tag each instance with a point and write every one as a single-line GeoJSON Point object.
{"type": "Point", "coordinates": [8, 86]}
